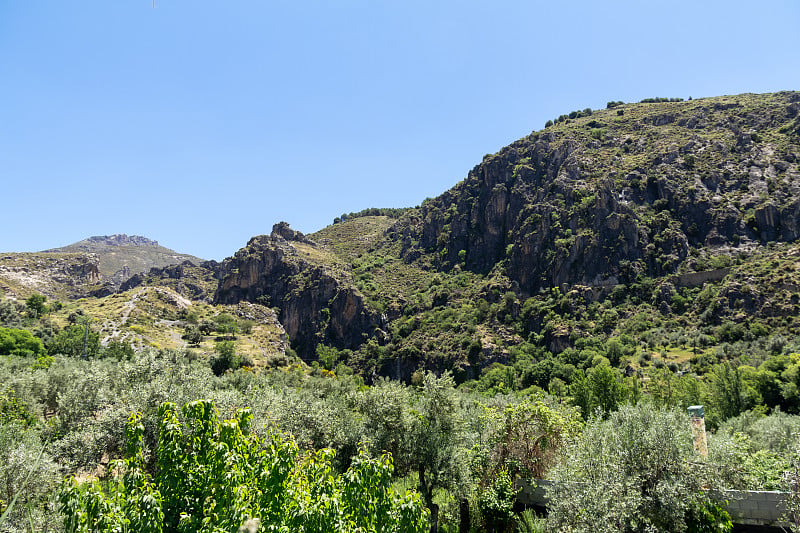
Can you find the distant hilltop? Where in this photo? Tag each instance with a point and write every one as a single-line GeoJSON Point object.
{"type": "Point", "coordinates": [118, 239]}
{"type": "Point", "coordinates": [121, 256]}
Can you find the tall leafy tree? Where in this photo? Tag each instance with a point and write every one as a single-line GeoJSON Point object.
{"type": "Point", "coordinates": [437, 440]}
{"type": "Point", "coordinates": [72, 340]}
{"type": "Point", "coordinates": [36, 305]}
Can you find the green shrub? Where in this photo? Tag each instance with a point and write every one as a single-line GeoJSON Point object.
{"type": "Point", "coordinates": [19, 342]}
{"type": "Point", "coordinates": [226, 358]}
{"type": "Point", "coordinates": [496, 502]}
{"type": "Point", "coordinates": [119, 350]}
{"type": "Point", "coordinates": [792, 515]}
{"type": "Point", "coordinates": [70, 341]}
{"type": "Point", "coordinates": [192, 335]}
{"type": "Point", "coordinates": [637, 471]}
{"type": "Point", "coordinates": [36, 305]}
{"type": "Point", "coordinates": [213, 476]}
{"type": "Point", "coordinates": [708, 517]}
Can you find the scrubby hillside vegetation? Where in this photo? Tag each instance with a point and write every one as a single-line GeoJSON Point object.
{"type": "Point", "coordinates": [590, 280]}
{"type": "Point", "coordinates": [658, 234]}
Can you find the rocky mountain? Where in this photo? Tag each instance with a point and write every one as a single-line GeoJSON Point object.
{"type": "Point", "coordinates": [121, 256]}
{"type": "Point", "coordinates": [603, 200]}
{"type": "Point", "coordinates": [628, 234]}
{"type": "Point", "coordinates": [95, 266]}
{"type": "Point", "coordinates": [196, 281]}
{"type": "Point", "coordinates": [622, 192]}
{"type": "Point", "coordinates": [56, 275]}
{"type": "Point", "coordinates": [312, 288]}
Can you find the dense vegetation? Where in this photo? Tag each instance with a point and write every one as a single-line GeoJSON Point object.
{"type": "Point", "coordinates": [461, 450]}
{"type": "Point", "coordinates": [212, 477]}
{"type": "Point", "coordinates": [394, 212]}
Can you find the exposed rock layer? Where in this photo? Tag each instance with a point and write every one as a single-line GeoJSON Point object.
{"type": "Point", "coordinates": [605, 198]}
{"type": "Point", "coordinates": [316, 303]}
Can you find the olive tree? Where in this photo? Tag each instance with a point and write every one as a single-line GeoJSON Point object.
{"type": "Point", "coordinates": [636, 471]}
{"type": "Point", "coordinates": [436, 440]}
{"type": "Point", "coordinates": [27, 474]}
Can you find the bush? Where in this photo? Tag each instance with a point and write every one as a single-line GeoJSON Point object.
{"type": "Point", "coordinates": [226, 358]}
{"type": "Point", "coordinates": [708, 517]}
{"type": "Point", "coordinates": [119, 350]}
{"type": "Point", "coordinates": [213, 476]}
{"type": "Point", "coordinates": [207, 326]}
{"type": "Point", "coordinates": [192, 335]}
{"type": "Point", "coordinates": [70, 341]}
{"type": "Point", "coordinates": [793, 506]}
{"type": "Point", "coordinates": [525, 439]}
{"type": "Point", "coordinates": [19, 342]}
{"type": "Point", "coordinates": [9, 314]}
{"type": "Point", "coordinates": [496, 503]}
{"type": "Point", "coordinates": [36, 305]}
{"type": "Point", "coordinates": [226, 324]}
{"type": "Point", "coordinates": [636, 471]}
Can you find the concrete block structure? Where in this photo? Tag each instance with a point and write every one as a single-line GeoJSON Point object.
{"type": "Point", "coordinates": [747, 508]}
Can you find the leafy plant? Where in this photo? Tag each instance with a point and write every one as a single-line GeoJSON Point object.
{"type": "Point", "coordinates": [72, 340]}
{"type": "Point", "coordinates": [792, 515]}
{"type": "Point", "coordinates": [707, 516]}
{"type": "Point", "coordinates": [496, 502]}
{"type": "Point", "coordinates": [226, 358]}
{"type": "Point", "coordinates": [19, 342]}
{"type": "Point", "coordinates": [221, 477]}
{"type": "Point", "coordinates": [525, 439]}
{"type": "Point", "coordinates": [528, 522]}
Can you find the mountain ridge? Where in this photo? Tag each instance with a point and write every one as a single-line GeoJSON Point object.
{"type": "Point", "coordinates": [657, 224]}
{"type": "Point", "coordinates": [121, 255]}
{"type": "Point", "coordinates": [117, 239]}
{"type": "Point", "coordinates": [645, 191]}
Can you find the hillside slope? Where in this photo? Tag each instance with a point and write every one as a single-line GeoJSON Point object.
{"type": "Point", "coordinates": [56, 275]}
{"type": "Point", "coordinates": [624, 192]}
{"type": "Point", "coordinates": [121, 256]}
{"type": "Point", "coordinates": [626, 197]}
{"type": "Point", "coordinates": [652, 233]}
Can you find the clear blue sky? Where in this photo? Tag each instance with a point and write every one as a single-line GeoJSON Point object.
{"type": "Point", "coordinates": [200, 124]}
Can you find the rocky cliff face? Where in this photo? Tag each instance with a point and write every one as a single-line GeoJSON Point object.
{"type": "Point", "coordinates": [196, 282]}
{"type": "Point", "coordinates": [601, 199]}
{"type": "Point", "coordinates": [57, 276]}
{"type": "Point", "coordinates": [317, 300]}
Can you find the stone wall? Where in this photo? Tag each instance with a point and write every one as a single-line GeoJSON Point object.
{"type": "Point", "coordinates": [695, 279]}
{"type": "Point", "coordinates": [756, 507]}
{"type": "Point", "coordinates": [762, 508]}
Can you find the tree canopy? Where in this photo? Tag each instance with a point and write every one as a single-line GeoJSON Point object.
{"type": "Point", "coordinates": [212, 477]}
